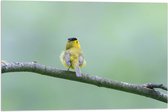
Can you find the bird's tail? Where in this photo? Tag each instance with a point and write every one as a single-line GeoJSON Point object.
{"type": "Point", "coordinates": [78, 72]}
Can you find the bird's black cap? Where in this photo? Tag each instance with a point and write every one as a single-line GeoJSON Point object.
{"type": "Point", "coordinates": [72, 39]}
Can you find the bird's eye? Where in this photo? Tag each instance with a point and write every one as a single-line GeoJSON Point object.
{"type": "Point", "coordinates": [76, 41]}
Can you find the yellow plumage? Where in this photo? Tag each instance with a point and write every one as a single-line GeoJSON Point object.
{"type": "Point", "coordinates": [72, 57]}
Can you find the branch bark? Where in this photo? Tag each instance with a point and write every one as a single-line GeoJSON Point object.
{"type": "Point", "coordinates": [143, 90]}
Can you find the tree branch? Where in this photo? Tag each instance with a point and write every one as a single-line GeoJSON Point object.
{"type": "Point", "coordinates": [143, 90]}
{"type": "Point", "coordinates": [152, 86]}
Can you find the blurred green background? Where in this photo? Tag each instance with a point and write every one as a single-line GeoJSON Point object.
{"type": "Point", "coordinates": [121, 41]}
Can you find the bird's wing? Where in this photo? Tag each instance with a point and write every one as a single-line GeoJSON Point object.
{"type": "Point", "coordinates": [81, 60]}
{"type": "Point", "coordinates": [67, 58]}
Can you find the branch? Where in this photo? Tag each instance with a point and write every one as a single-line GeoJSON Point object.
{"type": "Point", "coordinates": [143, 90]}
{"type": "Point", "coordinates": [152, 86]}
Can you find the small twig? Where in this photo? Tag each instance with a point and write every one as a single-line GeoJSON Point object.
{"type": "Point", "coordinates": [152, 86]}
{"type": "Point", "coordinates": [143, 90]}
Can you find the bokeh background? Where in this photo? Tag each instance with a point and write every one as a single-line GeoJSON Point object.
{"type": "Point", "coordinates": [121, 41]}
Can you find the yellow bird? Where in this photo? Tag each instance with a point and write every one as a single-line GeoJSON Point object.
{"type": "Point", "coordinates": [73, 57]}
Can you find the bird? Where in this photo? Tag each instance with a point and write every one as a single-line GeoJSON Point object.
{"type": "Point", "coordinates": [72, 57]}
